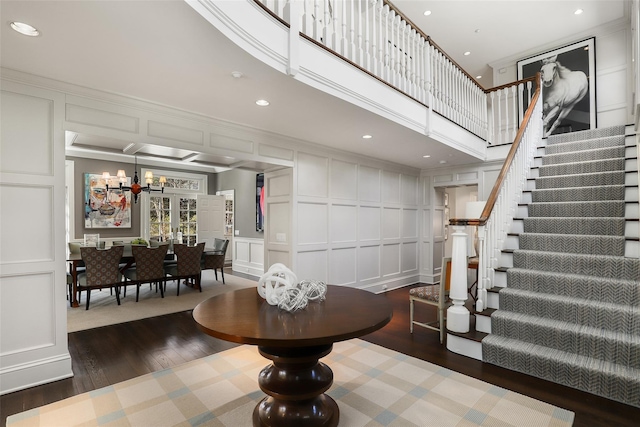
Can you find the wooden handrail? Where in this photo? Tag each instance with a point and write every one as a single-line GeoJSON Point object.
{"type": "Point", "coordinates": [493, 197]}
{"type": "Point", "coordinates": [504, 86]}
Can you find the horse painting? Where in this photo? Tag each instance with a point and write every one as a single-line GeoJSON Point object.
{"type": "Point", "coordinates": [563, 89]}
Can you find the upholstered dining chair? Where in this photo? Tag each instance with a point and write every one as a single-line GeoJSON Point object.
{"type": "Point", "coordinates": [74, 248]}
{"type": "Point", "coordinates": [102, 270]}
{"type": "Point", "coordinates": [149, 268]}
{"type": "Point", "coordinates": [214, 260]}
{"type": "Point", "coordinates": [188, 265]}
{"type": "Point", "coordinates": [436, 295]}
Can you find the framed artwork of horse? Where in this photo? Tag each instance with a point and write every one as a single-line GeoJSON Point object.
{"type": "Point", "coordinates": [568, 86]}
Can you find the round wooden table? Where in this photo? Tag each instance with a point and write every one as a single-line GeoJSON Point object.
{"type": "Point", "coordinates": [296, 381]}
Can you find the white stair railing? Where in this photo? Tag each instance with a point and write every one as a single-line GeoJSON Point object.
{"type": "Point", "coordinates": [499, 211]}
{"type": "Point", "coordinates": [379, 39]}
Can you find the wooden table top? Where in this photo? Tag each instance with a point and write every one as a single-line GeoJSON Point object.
{"type": "Point", "coordinates": [244, 317]}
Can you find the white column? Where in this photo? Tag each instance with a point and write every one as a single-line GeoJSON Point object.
{"type": "Point", "coordinates": [457, 315]}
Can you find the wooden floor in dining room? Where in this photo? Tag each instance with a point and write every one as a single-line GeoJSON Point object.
{"type": "Point", "coordinates": [110, 354]}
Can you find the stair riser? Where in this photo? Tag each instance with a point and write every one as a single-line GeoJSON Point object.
{"type": "Point", "coordinates": [493, 301]}
{"type": "Point", "coordinates": [630, 210]}
{"type": "Point", "coordinates": [581, 194]}
{"type": "Point", "coordinates": [575, 244]}
{"type": "Point", "coordinates": [616, 348]}
{"type": "Point", "coordinates": [584, 135]}
{"type": "Point", "coordinates": [628, 178]}
{"type": "Point", "coordinates": [605, 291]}
{"type": "Point", "coordinates": [570, 147]}
{"type": "Point", "coordinates": [631, 249]}
{"type": "Point", "coordinates": [606, 316]}
{"type": "Point", "coordinates": [584, 155]}
{"type": "Point", "coordinates": [588, 167]}
{"type": "Point", "coordinates": [483, 323]}
{"type": "Point", "coordinates": [579, 226]}
{"type": "Point", "coordinates": [553, 366]}
{"type": "Point", "coordinates": [615, 268]}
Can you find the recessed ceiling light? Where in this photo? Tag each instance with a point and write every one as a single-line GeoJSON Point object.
{"type": "Point", "coordinates": [25, 29]}
{"type": "Point", "coordinates": [262, 102]}
{"type": "Point", "coordinates": [467, 53]}
{"type": "Point", "coordinates": [427, 12]}
{"type": "Point", "coordinates": [366, 137]}
{"type": "Point", "coordinates": [442, 162]}
{"type": "Point", "coordinates": [236, 74]}
{"type": "Point", "coordinates": [478, 77]}
{"type": "Point", "coordinates": [426, 156]}
{"type": "Point", "coordinates": [578, 12]}
{"type": "Point", "coordinates": [477, 30]}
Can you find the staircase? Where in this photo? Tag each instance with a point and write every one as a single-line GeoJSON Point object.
{"type": "Point", "coordinates": [570, 311]}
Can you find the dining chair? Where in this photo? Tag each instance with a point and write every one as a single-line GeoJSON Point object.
{"type": "Point", "coordinates": [102, 270]}
{"type": "Point", "coordinates": [74, 248]}
{"type": "Point", "coordinates": [436, 295]}
{"type": "Point", "coordinates": [215, 259]}
{"type": "Point", "coordinates": [188, 265]}
{"type": "Point", "coordinates": [149, 268]}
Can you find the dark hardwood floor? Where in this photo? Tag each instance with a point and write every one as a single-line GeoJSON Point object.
{"type": "Point", "coordinates": [107, 355]}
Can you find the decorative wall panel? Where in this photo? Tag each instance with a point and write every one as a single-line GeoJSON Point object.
{"type": "Point", "coordinates": [409, 256]}
{"type": "Point", "coordinates": [390, 187]}
{"type": "Point", "coordinates": [278, 220]}
{"type": "Point", "coordinates": [175, 133]}
{"type": "Point", "coordinates": [409, 190]}
{"type": "Point", "coordinates": [279, 186]}
{"type": "Point", "coordinates": [390, 259]}
{"type": "Point", "coordinates": [391, 223]}
{"type": "Point", "coordinates": [344, 220]}
{"type": "Point", "coordinates": [343, 266]}
{"type": "Point", "coordinates": [426, 223]}
{"type": "Point", "coordinates": [230, 143]}
{"type": "Point", "coordinates": [312, 223]}
{"type": "Point", "coordinates": [410, 223]}
{"type": "Point", "coordinates": [275, 152]}
{"type": "Point", "coordinates": [368, 184]}
{"type": "Point", "coordinates": [313, 172]}
{"type": "Point", "coordinates": [22, 138]}
{"type": "Point", "coordinates": [24, 288]}
{"type": "Point", "coordinates": [312, 266]}
{"type": "Point", "coordinates": [344, 180]}
{"type": "Point", "coordinates": [369, 223]}
{"type": "Point", "coordinates": [27, 216]}
{"type": "Point", "coordinates": [369, 263]}
{"type": "Point", "coordinates": [102, 118]}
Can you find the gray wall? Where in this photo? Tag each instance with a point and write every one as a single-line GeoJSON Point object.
{"type": "Point", "coordinates": [244, 184]}
{"type": "Point", "coordinates": [82, 166]}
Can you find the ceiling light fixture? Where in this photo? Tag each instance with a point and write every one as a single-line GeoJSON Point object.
{"type": "Point", "coordinates": [427, 12]}
{"type": "Point", "coordinates": [366, 137]}
{"type": "Point", "coordinates": [135, 188]}
{"type": "Point", "coordinates": [426, 156]}
{"type": "Point", "coordinates": [578, 12]}
{"type": "Point", "coordinates": [25, 29]}
{"type": "Point", "coordinates": [478, 77]}
{"type": "Point", "coordinates": [262, 102]}
{"type": "Point", "coordinates": [236, 74]}
{"type": "Point", "coordinates": [467, 53]}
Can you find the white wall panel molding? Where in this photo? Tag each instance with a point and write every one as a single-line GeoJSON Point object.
{"type": "Point", "coordinates": [313, 174]}
{"type": "Point", "coordinates": [172, 132]}
{"type": "Point", "coordinates": [32, 226]}
{"type": "Point", "coordinates": [344, 180]}
{"type": "Point", "coordinates": [390, 260]}
{"type": "Point", "coordinates": [20, 141]}
{"type": "Point", "coordinates": [391, 223]}
{"type": "Point", "coordinates": [409, 256]}
{"type": "Point", "coordinates": [279, 221]}
{"type": "Point", "coordinates": [344, 223]}
{"type": "Point", "coordinates": [343, 266]}
{"type": "Point", "coordinates": [313, 265]}
{"type": "Point", "coordinates": [102, 118]}
{"type": "Point", "coordinates": [391, 187]}
{"type": "Point", "coordinates": [410, 223]}
{"type": "Point", "coordinates": [369, 184]}
{"type": "Point", "coordinates": [248, 256]}
{"type": "Point", "coordinates": [275, 152]}
{"type": "Point", "coordinates": [313, 223]}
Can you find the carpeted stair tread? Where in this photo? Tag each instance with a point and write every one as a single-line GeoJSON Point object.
{"type": "Point", "coordinates": [590, 144]}
{"type": "Point", "coordinates": [570, 312]}
{"type": "Point", "coordinates": [579, 194]}
{"type": "Point", "coordinates": [591, 166]}
{"type": "Point", "coordinates": [614, 381]}
{"type": "Point", "coordinates": [571, 225]}
{"type": "Point", "coordinates": [584, 180]}
{"type": "Point", "coordinates": [587, 134]}
{"type": "Point", "coordinates": [584, 155]}
{"type": "Point", "coordinates": [610, 316]}
{"type": "Point", "coordinates": [573, 243]}
{"type": "Point", "coordinates": [602, 289]}
{"type": "Point", "coordinates": [608, 208]}
{"type": "Point", "coordinates": [614, 267]}
{"type": "Point", "coordinates": [613, 346]}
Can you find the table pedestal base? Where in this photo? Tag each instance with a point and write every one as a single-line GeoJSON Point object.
{"type": "Point", "coordinates": [296, 383]}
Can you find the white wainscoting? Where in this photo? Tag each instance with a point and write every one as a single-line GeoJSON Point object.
{"type": "Point", "coordinates": [248, 256]}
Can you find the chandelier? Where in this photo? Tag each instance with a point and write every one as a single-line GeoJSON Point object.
{"type": "Point", "coordinates": [135, 188]}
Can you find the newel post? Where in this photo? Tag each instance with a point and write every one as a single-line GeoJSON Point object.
{"type": "Point", "coordinates": [458, 315]}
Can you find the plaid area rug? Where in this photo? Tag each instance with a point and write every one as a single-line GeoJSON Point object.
{"type": "Point", "coordinates": [373, 386]}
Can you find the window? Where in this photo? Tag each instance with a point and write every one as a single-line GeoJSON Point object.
{"type": "Point", "coordinates": [174, 211]}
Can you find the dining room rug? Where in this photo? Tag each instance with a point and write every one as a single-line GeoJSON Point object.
{"type": "Point", "coordinates": [373, 386]}
{"type": "Point", "coordinates": [104, 310]}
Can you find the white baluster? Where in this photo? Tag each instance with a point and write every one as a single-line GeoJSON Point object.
{"type": "Point", "coordinates": [367, 42]}
{"type": "Point", "coordinates": [352, 31]}
{"type": "Point", "coordinates": [387, 58]}
{"type": "Point", "coordinates": [374, 37]}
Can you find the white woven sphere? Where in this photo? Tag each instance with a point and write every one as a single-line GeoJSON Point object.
{"type": "Point", "coordinates": [275, 282]}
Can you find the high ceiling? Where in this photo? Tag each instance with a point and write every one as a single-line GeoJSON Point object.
{"type": "Point", "coordinates": [164, 52]}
